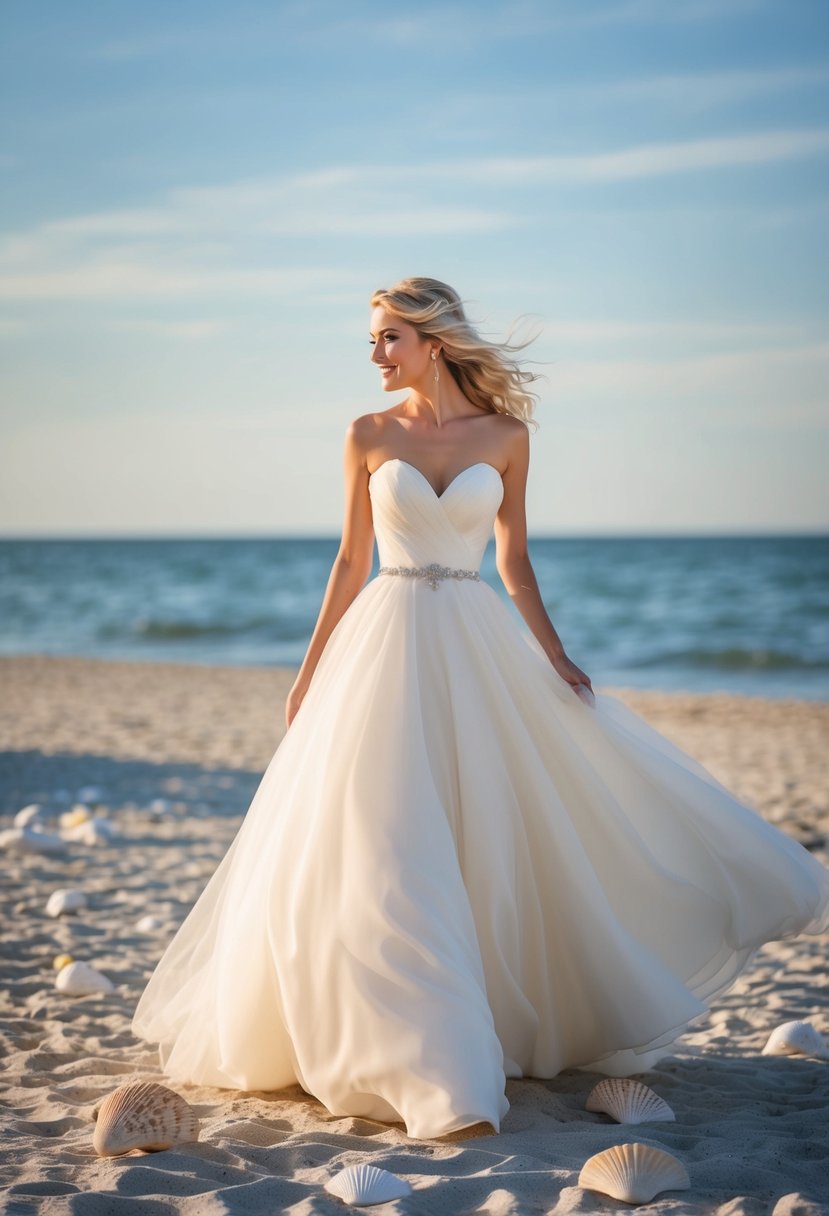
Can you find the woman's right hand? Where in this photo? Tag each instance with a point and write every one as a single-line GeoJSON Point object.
{"type": "Point", "coordinates": [295, 698]}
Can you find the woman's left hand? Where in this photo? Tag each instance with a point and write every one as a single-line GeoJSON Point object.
{"type": "Point", "coordinates": [568, 670]}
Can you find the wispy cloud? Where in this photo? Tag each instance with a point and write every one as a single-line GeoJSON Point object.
{"type": "Point", "coordinates": [183, 244]}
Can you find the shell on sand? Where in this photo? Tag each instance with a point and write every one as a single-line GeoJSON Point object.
{"type": "Point", "coordinates": [92, 831]}
{"type": "Point", "coordinates": [29, 815]}
{"type": "Point", "coordinates": [30, 840]}
{"type": "Point", "coordinates": [143, 1114]}
{"type": "Point", "coordinates": [78, 814]}
{"type": "Point", "coordinates": [362, 1185]}
{"type": "Point", "coordinates": [65, 900]}
{"type": "Point", "coordinates": [628, 1101]}
{"type": "Point", "coordinates": [634, 1173]}
{"type": "Point", "coordinates": [149, 923]}
{"type": "Point", "coordinates": [796, 1039]}
{"type": "Point", "coordinates": [80, 979]}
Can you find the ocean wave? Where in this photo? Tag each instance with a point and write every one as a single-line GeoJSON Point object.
{"type": "Point", "coordinates": [736, 658]}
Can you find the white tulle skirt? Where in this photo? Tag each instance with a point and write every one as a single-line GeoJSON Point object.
{"type": "Point", "coordinates": [455, 871]}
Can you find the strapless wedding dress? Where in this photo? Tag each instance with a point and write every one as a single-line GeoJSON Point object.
{"type": "Point", "coordinates": [455, 870]}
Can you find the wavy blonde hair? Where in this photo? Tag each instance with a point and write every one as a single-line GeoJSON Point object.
{"type": "Point", "coordinates": [484, 371]}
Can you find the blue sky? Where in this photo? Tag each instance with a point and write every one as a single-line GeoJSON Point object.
{"type": "Point", "coordinates": [198, 200]}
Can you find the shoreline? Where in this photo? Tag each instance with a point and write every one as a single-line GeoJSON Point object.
{"type": "Point", "coordinates": [176, 751]}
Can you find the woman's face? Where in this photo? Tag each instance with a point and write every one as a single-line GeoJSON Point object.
{"type": "Point", "coordinates": [404, 358]}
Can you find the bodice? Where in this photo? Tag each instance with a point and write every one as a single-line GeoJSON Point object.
{"type": "Point", "coordinates": [415, 526]}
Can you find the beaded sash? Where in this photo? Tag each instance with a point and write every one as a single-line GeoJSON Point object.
{"type": "Point", "coordinates": [433, 573]}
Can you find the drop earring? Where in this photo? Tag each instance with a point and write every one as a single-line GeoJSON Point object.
{"type": "Point", "coordinates": [435, 361]}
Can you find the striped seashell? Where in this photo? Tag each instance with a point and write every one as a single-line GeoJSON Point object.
{"type": "Point", "coordinates": [628, 1101]}
{"type": "Point", "coordinates": [65, 900]}
{"type": "Point", "coordinates": [796, 1039]}
{"type": "Point", "coordinates": [634, 1173]}
{"type": "Point", "coordinates": [145, 1115]}
{"type": "Point", "coordinates": [362, 1185]}
{"type": "Point", "coordinates": [79, 979]}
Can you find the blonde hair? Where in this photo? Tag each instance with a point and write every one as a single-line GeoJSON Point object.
{"type": "Point", "coordinates": [483, 370]}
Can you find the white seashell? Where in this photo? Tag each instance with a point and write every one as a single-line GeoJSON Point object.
{"type": "Point", "coordinates": [362, 1185]}
{"type": "Point", "coordinates": [92, 831]}
{"type": "Point", "coordinates": [79, 979]}
{"type": "Point", "coordinates": [30, 840]}
{"type": "Point", "coordinates": [91, 794]}
{"type": "Point", "coordinates": [148, 923]}
{"type": "Point", "coordinates": [31, 814]}
{"type": "Point", "coordinates": [160, 807]}
{"type": "Point", "coordinates": [628, 1101]}
{"type": "Point", "coordinates": [634, 1173]}
{"type": "Point", "coordinates": [796, 1039]}
{"type": "Point", "coordinates": [78, 814]}
{"type": "Point", "coordinates": [143, 1114]}
{"type": "Point", "coordinates": [65, 900]}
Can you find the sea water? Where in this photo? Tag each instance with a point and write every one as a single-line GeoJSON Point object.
{"type": "Point", "coordinates": [741, 614]}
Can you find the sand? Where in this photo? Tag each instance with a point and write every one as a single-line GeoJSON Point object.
{"type": "Point", "coordinates": [177, 752]}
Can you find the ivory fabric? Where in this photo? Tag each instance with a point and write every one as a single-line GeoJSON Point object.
{"type": "Point", "coordinates": [455, 870]}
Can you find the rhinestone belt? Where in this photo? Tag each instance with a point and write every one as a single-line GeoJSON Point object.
{"type": "Point", "coordinates": [433, 573]}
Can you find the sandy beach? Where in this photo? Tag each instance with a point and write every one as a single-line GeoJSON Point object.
{"type": "Point", "coordinates": [174, 754]}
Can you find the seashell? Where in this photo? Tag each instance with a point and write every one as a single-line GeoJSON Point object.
{"type": "Point", "coordinates": [143, 1114]}
{"type": "Point", "coordinates": [148, 923]}
{"type": "Point", "coordinates": [62, 960]}
{"type": "Point", "coordinates": [29, 815]}
{"type": "Point", "coordinates": [362, 1185]}
{"type": "Point", "coordinates": [634, 1173]}
{"type": "Point", "coordinates": [30, 840]}
{"type": "Point", "coordinates": [159, 807]}
{"type": "Point", "coordinates": [796, 1039]}
{"type": "Point", "coordinates": [78, 814]}
{"type": "Point", "coordinates": [90, 794]}
{"type": "Point", "coordinates": [91, 831]}
{"type": "Point", "coordinates": [65, 900]}
{"type": "Point", "coordinates": [79, 979]}
{"type": "Point", "coordinates": [628, 1101]}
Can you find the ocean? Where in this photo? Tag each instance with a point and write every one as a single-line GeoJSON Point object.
{"type": "Point", "coordinates": [739, 614]}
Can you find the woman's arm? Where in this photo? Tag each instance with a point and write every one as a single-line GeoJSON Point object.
{"type": "Point", "coordinates": [351, 567]}
{"type": "Point", "coordinates": [513, 561]}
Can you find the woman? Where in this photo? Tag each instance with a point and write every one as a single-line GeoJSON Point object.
{"type": "Point", "coordinates": [460, 865]}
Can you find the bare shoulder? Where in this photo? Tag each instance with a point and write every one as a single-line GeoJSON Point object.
{"type": "Point", "coordinates": [513, 439]}
{"type": "Point", "coordinates": [366, 431]}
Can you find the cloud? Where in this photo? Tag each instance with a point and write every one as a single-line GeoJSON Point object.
{"type": "Point", "coordinates": [203, 239]}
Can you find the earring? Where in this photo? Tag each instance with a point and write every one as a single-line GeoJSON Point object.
{"type": "Point", "coordinates": [435, 361]}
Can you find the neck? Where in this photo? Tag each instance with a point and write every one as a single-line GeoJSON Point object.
{"type": "Point", "coordinates": [437, 404]}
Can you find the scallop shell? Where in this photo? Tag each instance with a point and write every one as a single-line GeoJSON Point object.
{"type": "Point", "coordinates": [362, 1185]}
{"type": "Point", "coordinates": [143, 1114]}
{"type": "Point", "coordinates": [79, 979]}
{"type": "Point", "coordinates": [628, 1101]}
{"type": "Point", "coordinates": [65, 900]}
{"type": "Point", "coordinates": [796, 1039]}
{"type": "Point", "coordinates": [634, 1173]}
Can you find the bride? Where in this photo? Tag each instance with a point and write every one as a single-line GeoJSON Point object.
{"type": "Point", "coordinates": [461, 864]}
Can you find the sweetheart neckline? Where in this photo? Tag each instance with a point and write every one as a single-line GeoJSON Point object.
{"type": "Point", "coordinates": [425, 479]}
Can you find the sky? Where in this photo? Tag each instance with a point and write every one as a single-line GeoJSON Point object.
{"type": "Point", "coordinates": [198, 200]}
